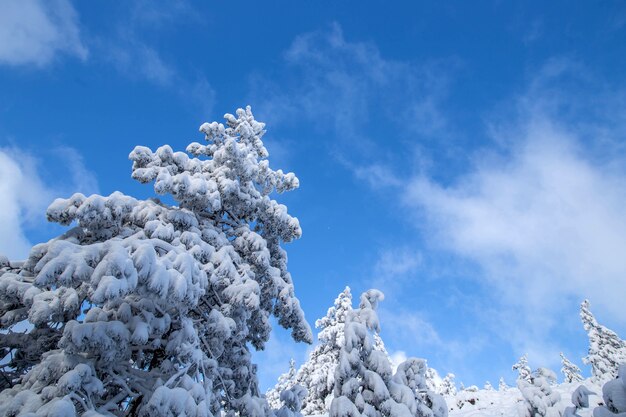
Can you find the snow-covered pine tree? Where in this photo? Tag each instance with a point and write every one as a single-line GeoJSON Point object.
{"type": "Point", "coordinates": [317, 374]}
{"type": "Point", "coordinates": [433, 380]}
{"type": "Point", "coordinates": [285, 382]}
{"type": "Point", "coordinates": [540, 400]}
{"type": "Point", "coordinates": [364, 385]}
{"type": "Point", "coordinates": [571, 372]}
{"type": "Point", "coordinates": [292, 399]}
{"type": "Point", "coordinates": [614, 395]}
{"type": "Point", "coordinates": [488, 386]}
{"type": "Point", "coordinates": [448, 386]}
{"type": "Point", "coordinates": [522, 368]}
{"type": "Point", "coordinates": [502, 386]}
{"type": "Point", "coordinates": [606, 349]}
{"type": "Point", "coordinates": [147, 308]}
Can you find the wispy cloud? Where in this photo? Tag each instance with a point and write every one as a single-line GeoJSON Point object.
{"type": "Point", "coordinates": [541, 213]}
{"type": "Point", "coordinates": [27, 192]}
{"type": "Point", "coordinates": [342, 86]}
{"type": "Point", "coordinates": [34, 32]}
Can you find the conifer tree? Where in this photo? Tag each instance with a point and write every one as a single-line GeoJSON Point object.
{"type": "Point", "coordinates": [570, 371]}
{"type": "Point", "coordinates": [606, 350]}
{"type": "Point", "coordinates": [285, 382]}
{"type": "Point", "coordinates": [540, 400]}
{"type": "Point", "coordinates": [448, 386]}
{"type": "Point", "coordinates": [502, 386]}
{"type": "Point", "coordinates": [146, 308]}
{"type": "Point", "coordinates": [522, 368]}
{"type": "Point", "coordinates": [364, 385]}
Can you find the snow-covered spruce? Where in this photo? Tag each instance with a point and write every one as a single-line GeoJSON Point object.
{"type": "Point", "coordinates": [502, 386]}
{"type": "Point", "coordinates": [292, 399]}
{"type": "Point", "coordinates": [524, 371]}
{"type": "Point", "coordinates": [285, 382]}
{"type": "Point", "coordinates": [364, 385]}
{"type": "Point", "coordinates": [540, 399]}
{"type": "Point", "coordinates": [448, 386]}
{"type": "Point", "coordinates": [149, 309]}
{"type": "Point", "coordinates": [317, 374]}
{"type": "Point", "coordinates": [606, 349]}
{"type": "Point", "coordinates": [571, 372]}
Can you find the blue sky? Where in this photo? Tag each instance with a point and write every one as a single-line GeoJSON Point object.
{"type": "Point", "coordinates": [466, 158]}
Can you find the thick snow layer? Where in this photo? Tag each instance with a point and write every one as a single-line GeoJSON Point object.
{"type": "Point", "coordinates": [507, 403]}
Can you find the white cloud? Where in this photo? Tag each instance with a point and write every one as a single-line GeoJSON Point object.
{"type": "Point", "coordinates": [35, 31]}
{"type": "Point", "coordinates": [26, 194]}
{"type": "Point", "coordinates": [545, 222]}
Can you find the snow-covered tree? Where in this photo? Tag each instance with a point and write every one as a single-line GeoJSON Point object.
{"type": "Point", "coordinates": [606, 350]}
{"type": "Point", "coordinates": [433, 380]}
{"type": "Point", "coordinates": [614, 395]}
{"type": "Point", "coordinates": [364, 385]}
{"type": "Point", "coordinates": [580, 399]}
{"type": "Point", "coordinates": [317, 374]}
{"type": "Point", "coordinates": [285, 381]}
{"type": "Point", "coordinates": [448, 386]}
{"type": "Point", "coordinates": [292, 399]}
{"type": "Point", "coordinates": [488, 386]}
{"type": "Point", "coordinates": [502, 386]}
{"type": "Point", "coordinates": [571, 372]}
{"type": "Point", "coordinates": [539, 399]}
{"type": "Point", "coordinates": [145, 308]}
{"type": "Point", "coordinates": [522, 368]}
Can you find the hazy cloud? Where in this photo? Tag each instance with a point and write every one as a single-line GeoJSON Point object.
{"type": "Point", "coordinates": [27, 193]}
{"type": "Point", "coordinates": [36, 31]}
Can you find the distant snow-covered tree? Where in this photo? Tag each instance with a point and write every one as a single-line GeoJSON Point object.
{"type": "Point", "coordinates": [570, 371]}
{"type": "Point", "coordinates": [614, 395]}
{"type": "Point", "coordinates": [524, 371]}
{"type": "Point", "coordinates": [150, 309]}
{"type": "Point", "coordinates": [433, 380]}
{"type": "Point", "coordinates": [448, 386]}
{"type": "Point", "coordinates": [502, 386]}
{"type": "Point", "coordinates": [606, 349]}
{"type": "Point", "coordinates": [364, 385]}
{"type": "Point", "coordinates": [285, 381]}
{"type": "Point", "coordinates": [539, 399]}
{"type": "Point", "coordinates": [488, 386]}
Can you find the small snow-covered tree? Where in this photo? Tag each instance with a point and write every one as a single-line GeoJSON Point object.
{"type": "Point", "coordinates": [488, 386]}
{"type": "Point", "coordinates": [614, 395]}
{"type": "Point", "coordinates": [606, 349]}
{"type": "Point", "coordinates": [448, 386]}
{"type": "Point", "coordinates": [317, 374]}
{"type": "Point", "coordinates": [433, 380]}
{"type": "Point", "coordinates": [145, 308]}
{"type": "Point", "coordinates": [292, 399]}
{"type": "Point", "coordinates": [524, 371]}
{"type": "Point", "coordinates": [364, 385]}
{"type": "Point", "coordinates": [285, 381]}
{"type": "Point", "coordinates": [539, 399]}
{"type": "Point", "coordinates": [580, 399]}
{"type": "Point", "coordinates": [502, 386]}
{"type": "Point", "coordinates": [570, 371]}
